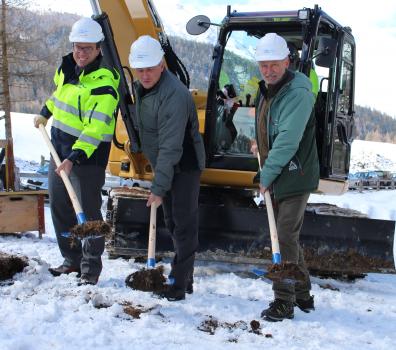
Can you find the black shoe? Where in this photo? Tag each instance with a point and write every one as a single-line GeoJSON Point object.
{"type": "Point", "coordinates": [87, 279]}
{"type": "Point", "coordinates": [305, 305]}
{"type": "Point", "coordinates": [63, 270]}
{"type": "Point", "coordinates": [173, 294]}
{"type": "Point", "coordinates": [278, 310]}
{"type": "Point", "coordinates": [189, 288]}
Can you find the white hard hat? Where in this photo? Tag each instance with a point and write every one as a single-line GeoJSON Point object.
{"type": "Point", "coordinates": [145, 52]}
{"type": "Point", "coordinates": [86, 30]}
{"type": "Point", "coordinates": [271, 47]}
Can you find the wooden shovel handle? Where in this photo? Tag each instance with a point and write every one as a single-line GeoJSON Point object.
{"type": "Point", "coordinates": [152, 235]}
{"type": "Point", "coordinates": [65, 178]}
{"type": "Point", "coordinates": [271, 221]}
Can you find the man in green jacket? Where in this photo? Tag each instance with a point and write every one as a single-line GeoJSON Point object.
{"type": "Point", "coordinates": [285, 129]}
{"type": "Point", "coordinates": [169, 133]}
{"type": "Point", "coordinates": [82, 108]}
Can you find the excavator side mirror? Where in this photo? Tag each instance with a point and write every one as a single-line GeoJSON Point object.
{"type": "Point", "coordinates": [199, 24]}
{"type": "Point", "coordinates": [327, 49]}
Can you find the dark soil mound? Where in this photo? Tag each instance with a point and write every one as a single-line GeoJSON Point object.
{"type": "Point", "coordinates": [10, 265]}
{"type": "Point", "coordinates": [147, 280]}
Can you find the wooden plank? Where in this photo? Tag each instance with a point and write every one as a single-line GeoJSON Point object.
{"type": "Point", "coordinates": [19, 213]}
{"type": "Point", "coordinates": [23, 193]}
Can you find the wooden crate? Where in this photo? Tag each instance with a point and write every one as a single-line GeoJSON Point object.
{"type": "Point", "coordinates": [22, 211]}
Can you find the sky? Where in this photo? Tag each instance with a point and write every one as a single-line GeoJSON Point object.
{"type": "Point", "coordinates": [373, 25]}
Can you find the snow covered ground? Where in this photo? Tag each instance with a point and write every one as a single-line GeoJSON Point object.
{"type": "Point", "coordinates": [40, 312]}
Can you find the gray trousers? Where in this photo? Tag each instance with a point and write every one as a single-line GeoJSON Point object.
{"type": "Point", "coordinates": [180, 207]}
{"type": "Point", "coordinates": [87, 181]}
{"type": "Point", "coordinates": [289, 216]}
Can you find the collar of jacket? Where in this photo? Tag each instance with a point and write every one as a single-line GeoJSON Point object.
{"type": "Point", "coordinates": [72, 71]}
{"type": "Point", "coordinates": [269, 91]}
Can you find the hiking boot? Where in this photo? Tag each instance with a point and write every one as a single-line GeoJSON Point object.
{"type": "Point", "coordinates": [305, 305]}
{"type": "Point", "coordinates": [278, 310]}
{"type": "Point", "coordinates": [87, 279]}
{"type": "Point", "coordinates": [63, 270]}
{"type": "Point", "coordinates": [173, 294]}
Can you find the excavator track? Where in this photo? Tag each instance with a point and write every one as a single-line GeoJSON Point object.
{"type": "Point", "coordinates": [337, 243]}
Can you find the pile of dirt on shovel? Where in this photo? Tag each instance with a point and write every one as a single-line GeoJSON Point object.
{"type": "Point", "coordinates": [10, 265]}
{"type": "Point", "coordinates": [147, 280]}
{"type": "Point", "coordinates": [284, 271]}
{"type": "Point", "coordinates": [91, 228]}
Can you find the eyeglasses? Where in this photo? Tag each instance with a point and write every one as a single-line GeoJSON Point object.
{"type": "Point", "coordinates": [84, 49]}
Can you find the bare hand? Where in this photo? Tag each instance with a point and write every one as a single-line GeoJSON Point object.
{"type": "Point", "coordinates": [39, 119]}
{"type": "Point", "coordinates": [157, 200]}
{"type": "Point", "coordinates": [253, 147]}
{"type": "Point", "coordinates": [66, 165]}
{"type": "Point", "coordinates": [263, 189]}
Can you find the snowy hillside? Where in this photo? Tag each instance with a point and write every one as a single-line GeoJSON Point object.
{"type": "Point", "coordinates": [369, 155]}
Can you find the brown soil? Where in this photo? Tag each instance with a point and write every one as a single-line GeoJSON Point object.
{"type": "Point", "coordinates": [91, 228]}
{"type": "Point", "coordinates": [134, 311]}
{"type": "Point", "coordinates": [147, 280]}
{"type": "Point", "coordinates": [10, 265]}
{"type": "Point", "coordinates": [344, 262]}
{"type": "Point", "coordinates": [210, 325]}
{"type": "Point", "coordinates": [255, 327]}
{"type": "Point", "coordinates": [284, 271]}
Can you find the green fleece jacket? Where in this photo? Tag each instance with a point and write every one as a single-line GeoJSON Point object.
{"type": "Point", "coordinates": [169, 130]}
{"type": "Point", "coordinates": [292, 165]}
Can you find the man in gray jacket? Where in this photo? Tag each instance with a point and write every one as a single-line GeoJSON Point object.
{"type": "Point", "coordinates": [169, 133]}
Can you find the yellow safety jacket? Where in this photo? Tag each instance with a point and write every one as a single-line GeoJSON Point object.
{"type": "Point", "coordinates": [83, 107]}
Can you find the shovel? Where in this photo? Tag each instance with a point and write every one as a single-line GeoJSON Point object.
{"type": "Point", "coordinates": [150, 279]}
{"type": "Point", "coordinates": [84, 228]}
{"type": "Point", "coordinates": [152, 237]}
{"type": "Point", "coordinates": [287, 272]}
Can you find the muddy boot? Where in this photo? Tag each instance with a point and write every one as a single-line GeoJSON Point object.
{"type": "Point", "coordinates": [305, 305]}
{"type": "Point", "coordinates": [87, 279]}
{"type": "Point", "coordinates": [278, 311]}
{"type": "Point", "coordinates": [173, 293]}
{"type": "Point", "coordinates": [64, 270]}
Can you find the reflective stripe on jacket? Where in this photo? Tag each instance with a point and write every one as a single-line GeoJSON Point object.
{"type": "Point", "coordinates": [83, 109]}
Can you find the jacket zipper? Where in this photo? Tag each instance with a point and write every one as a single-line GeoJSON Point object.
{"type": "Point", "coordinates": [90, 115]}
{"type": "Point", "coordinates": [79, 108]}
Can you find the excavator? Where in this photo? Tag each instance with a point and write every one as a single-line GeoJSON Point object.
{"type": "Point", "coordinates": [233, 228]}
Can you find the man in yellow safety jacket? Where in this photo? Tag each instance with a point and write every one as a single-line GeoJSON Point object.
{"type": "Point", "coordinates": [82, 107]}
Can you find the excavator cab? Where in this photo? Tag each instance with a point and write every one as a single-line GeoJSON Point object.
{"type": "Point", "coordinates": [322, 45]}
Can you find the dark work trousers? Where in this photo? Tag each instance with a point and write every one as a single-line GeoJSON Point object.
{"type": "Point", "coordinates": [289, 216]}
{"type": "Point", "coordinates": [87, 181]}
{"type": "Point", "coordinates": [180, 207]}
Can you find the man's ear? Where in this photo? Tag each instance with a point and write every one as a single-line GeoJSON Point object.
{"type": "Point", "coordinates": [162, 65]}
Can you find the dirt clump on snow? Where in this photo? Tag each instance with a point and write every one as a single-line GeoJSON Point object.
{"type": "Point", "coordinates": [10, 265]}
{"type": "Point", "coordinates": [147, 280]}
{"type": "Point", "coordinates": [134, 311]}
